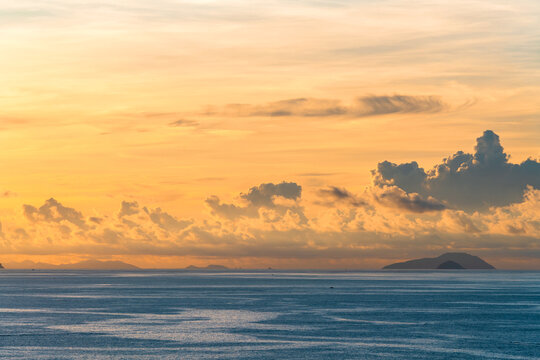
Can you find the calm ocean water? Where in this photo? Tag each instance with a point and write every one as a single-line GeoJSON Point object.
{"type": "Point", "coordinates": [264, 315]}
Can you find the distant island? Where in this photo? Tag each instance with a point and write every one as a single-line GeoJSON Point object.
{"type": "Point", "coordinates": [445, 261]}
{"type": "Point", "coordinates": [1, 267]}
{"type": "Point", "coordinates": [82, 265]}
{"type": "Point", "coordinates": [209, 267]}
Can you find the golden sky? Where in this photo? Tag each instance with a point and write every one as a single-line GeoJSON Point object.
{"type": "Point", "coordinates": [161, 132]}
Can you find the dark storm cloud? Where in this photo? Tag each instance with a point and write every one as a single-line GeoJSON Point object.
{"type": "Point", "coordinates": [53, 211]}
{"type": "Point", "coordinates": [466, 181]}
{"type": "Point", "coordinates": [312, 107]}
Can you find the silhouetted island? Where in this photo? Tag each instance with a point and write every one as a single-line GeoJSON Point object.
{"type": "Point", "coordinates": [98, 265]}
{"type": "Point", "coordinates": [450, 265]}
{"type": "Point", "coordinates": [1, 267]}
{"type": "Point", "coordinates": [445, 261]}
{"type": "Point", "coordinates": [209, 267]}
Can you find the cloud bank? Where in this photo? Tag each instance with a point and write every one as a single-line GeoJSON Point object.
{"type": "Point", "coordinates": [403, 214]}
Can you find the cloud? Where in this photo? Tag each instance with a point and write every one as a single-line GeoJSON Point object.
{"type": "Point", "coordinates": [166, 221]}
{"type": "Point", "coordinates": [128, 208]}
{"type": "Point", "coordinates": [21, 234]}
{"type": "Point", "coordinates": [183, 123]}
{"type": "Point", "coordinates": [107, 236]}
{"type": "Point", "coordinates": [334, 194]}
{"type": "Point", "coordinates": [265, 194]}
{"type": "Point", "coordinates": [464, 222]}
{"type": "Point", "coordinates": [312, 107]}
{"type": "Point", "coordinates": [291, 107]}
{"type": "Point", "coordinates": [95, 219]}
{"type": "Point", "coordinates": [392, 196]}
{"type": "Point", "coordinates": [316, 174]}
{"type": "Point", "coordinates": [466, 181]}
{"type": "Point", "coordinates": [257, 197]}
{"type": "Point", "coordinates": [279, 198]}
{"type": "Point", "coordinates": [388, 196]}
{"type": "Point", "coordinates": [381, 105]}
{"type": "Point", "coordinates": [328, 235]}
{"type": "Point", "coordinates": [53, 211]}
{"type": "Point", "coordinates": [230, 211]}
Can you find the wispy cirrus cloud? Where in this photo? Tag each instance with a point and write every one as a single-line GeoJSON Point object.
{"type": "Point", "coordinates": [184, 123]}
{"type": "Point", "coordinates": [373, 105]}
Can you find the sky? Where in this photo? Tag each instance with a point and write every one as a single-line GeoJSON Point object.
{"type": "Point", "coordinates": [290, 134]}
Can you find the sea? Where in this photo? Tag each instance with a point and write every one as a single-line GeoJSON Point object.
{"type": "Point", "coordinates": [445, 314]}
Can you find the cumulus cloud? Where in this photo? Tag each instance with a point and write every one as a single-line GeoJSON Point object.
{"type": "Point", "coordinates": [20, 234]}
{"type": "Point", "coordinates": [277, 231]}
{"type": "Point", "coordinates": [107, 236]}
{"type": "Point", "coordinates": [132, 226]}
{"type": "Point", "coordinates": [266, 195]}
{"type": "Point", "coordinates": [312, 107]}
{"type": "Point", "coordinates": [230, 211]}
{"type": "Point", "coordinates": [463, 222]}
{"type": "Point", "coordinates": [128, 208]}
{"type": "Point", "coordinates": [466, 181]}
{"type": "Point", "coordinates": [166, 221]}
{"type": "Point", "coordinates": [53, 211]}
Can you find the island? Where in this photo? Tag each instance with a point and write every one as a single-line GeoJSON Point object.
{"type": "Point", "coordinates": [448, 261]}
{"type": "Point", "coordinates": [450, 265]}
{"type": "Point", "coordinates": [209, 267]}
